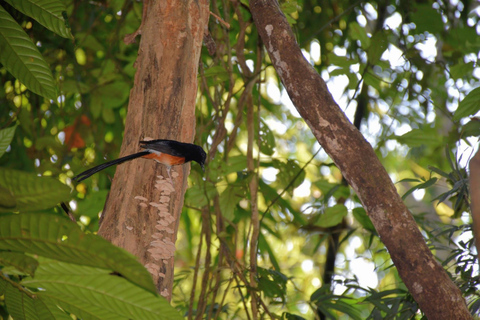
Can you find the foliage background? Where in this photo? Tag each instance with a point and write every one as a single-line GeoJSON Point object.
{"type": "Point", "coordinates": [401, 72]}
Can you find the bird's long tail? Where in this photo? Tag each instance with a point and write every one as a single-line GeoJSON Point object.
{"type": "Point", "coordinates": [84, 175]}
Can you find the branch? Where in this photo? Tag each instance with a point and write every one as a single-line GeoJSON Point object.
{"type": "Point", "coordinates": [429, 284]}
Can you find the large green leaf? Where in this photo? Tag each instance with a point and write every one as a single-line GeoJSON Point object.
{"type": "Point", "coordinates": [332, 216]}
{"type": "Point", "coordinates": [426, 19]}
{"type": "Point", "coordinates": [20, 261]}
{"type": "Point", "coordinates": [86, 288]}
{"type": "Point", "coordinates": [378, 46]}
{"type": "Point", "coordinates": [31, 192]}
{"type": "Point", "coordinates": [469, 105]}
{"type": "Point", "coordinates": [58, 238]}
{"type": "Point", "coordinates": [22, 59]}
{"type": "Point", "coordinates": [420, 137]}
{"type": "Point", "coordinates": [20, 305]}
{"type": "Point", "coordinates": [6, 136]}
{"type": "Point", "coordinates": [49, 13]}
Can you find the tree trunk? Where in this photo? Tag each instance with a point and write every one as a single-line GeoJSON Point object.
{"type": "Point", "coordinates": [143, 208]}
{"type": "Point", "coordinates": [474, 166]}
{"type": "Point", "coordinates": [429, 284]}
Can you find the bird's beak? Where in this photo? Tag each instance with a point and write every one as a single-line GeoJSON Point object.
{"type": "Point", "coordinates": [203, 167]}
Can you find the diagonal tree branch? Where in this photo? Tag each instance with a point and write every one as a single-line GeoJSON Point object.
{"type": "Point", "coordinates": [428, 283]}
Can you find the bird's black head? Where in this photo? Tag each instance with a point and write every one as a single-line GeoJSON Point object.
{"type": "Point", "coordinates": [199, 155]}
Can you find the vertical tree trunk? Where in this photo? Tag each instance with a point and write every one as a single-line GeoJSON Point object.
{"type": "Point", "coordinates": [429, 284]}
{"type": "Point", "coordinates": [143, 208]}
{"type": "Point", "coordinates": [474, 166]}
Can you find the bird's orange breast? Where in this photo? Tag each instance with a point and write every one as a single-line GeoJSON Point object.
{"type": "Point", "coordinates": [165, 159]}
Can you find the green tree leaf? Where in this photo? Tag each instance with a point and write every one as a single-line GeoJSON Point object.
{"type": "Point", "coordinates": [332, 216]}
{"type": "Point", "coordinates": [420, 137]}
{"type": "Point", "coordinates": [85, 289]}
{"type": "Point", "coordinates": [6, 136]}
{"type": "Point", "coordinates": [358, 33]}
{"type": "Point", "coordinates": [378, 45]}
{"type": "Point", "coordinates": [423, 185]}
{"type": "Point", "coordinates": [22, 59]}
{"type": "Point", "coordinates": [7, 200]}
{"type": "Point", "coordinates": [361, 216]}
{"type": "Point", "coordinates": [469, 105]}
{"type": "Point", "coordinates": [20, 261]}
{"type": "Point", "coordinates": [31, 192]}
{"type": "Point", "coordinates": [266, 139]}
{"type": "Point", "coordinates": [272, 283]}
{"type": "Point", "coordinates": [20, 305]}
{"type": "Point", "coordinates": [55, 237]}
{"type": "Point", "coordinates": [427, 19]}
{"type": "Point", "coordinates": [228, 201]}
{"type": "Point", "coordinates": [49, 13]}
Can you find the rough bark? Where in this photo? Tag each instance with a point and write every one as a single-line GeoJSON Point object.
{"type": "Point", "coordinates": [474, 166]}
{"type": "Point", "coordinates": [143, 208]}
{"type": "Point", "coordinates": [429, 284]}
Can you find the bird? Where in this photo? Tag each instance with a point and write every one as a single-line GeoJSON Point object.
{"type": "Point", "coordinates": [167, 152]}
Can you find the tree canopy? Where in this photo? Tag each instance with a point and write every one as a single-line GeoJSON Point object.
{"type": "Point", "coordinates": [406, 75]}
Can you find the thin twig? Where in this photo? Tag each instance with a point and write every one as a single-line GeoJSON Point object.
{"type": "Point", "coordinates": [289, 185]}
{"type": "Point", "coordinates": [226, 24]}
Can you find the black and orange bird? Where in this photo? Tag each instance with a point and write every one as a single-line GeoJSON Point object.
{"type": "Point", "coordinates": [167, 152]}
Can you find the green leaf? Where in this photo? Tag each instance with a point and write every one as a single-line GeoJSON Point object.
{"type": "Point", "coordinates": [470, 105]}
{"type": "Point", "coordinates": [420, 137]}
{"type": "Point", "coordinates": [93, 204]}
{"type": "Point", "coordinates": [272, 283]}
{"type": "Point", "coordinates": [217, 73]}
{"type": "Point", "coordinates": [20, 261]}
{"type": "Point", "coordinates": [108, 115]}
{"type": "Point", "coordinates": [197, 196]}
{"type": "Point", "coordinates": [288, 172]}
{"type": "Point", "coordinates": [267, 139]}
{"type": "Point", "coordinates": [459, 70]}
{"type": "Point", "coordinates": [340, 61]}
{"type": "Point", "coordinates": [471, 128]}
{"type": "Point", "coordinates": [114, 95]}
{"type": "Point", "coordinates": [378, 46]}
{"type": "Point", "coordinates": [86, 289]}
{"type": "Point", "coordinates": [19, 304]}
{"type": "Point", "coordinates": [271, 194]}
{"type": "Point", "coordinates": [264, 246]}
{"type": "Point", "coordinates": [6, 136]}
{"type": "Point", "coordinates": [22, 58]}
{"type": "Point", "coordinates": [332, 216]}
{"type": "Point", "coordinates": [49, 13]}
{"type": "Point", "coordinates": [7, 200]}
{"type": "Point", "coordinates": [361, 216]}
{"type": "Point", "coordinates": [427, 19]}
{"type": "Point", "coordinates": [22, 306]}
{"type": "Point", "coordinates": [373, 81]}
{"type": "Point", "coordinates": [358, 33]}
{"type": "Point", "coordinates": [31, 192]}
{"type": "Point", "coordinates": [234, 164]}
{"type": "Point", "coordinates": [289, 6]}
{"type": "Point", "coordinates": [58, 238]}
{"type": "Point", "coordinates": [228, 201]}
{"type": "Point", "coordinates": [424, 185]}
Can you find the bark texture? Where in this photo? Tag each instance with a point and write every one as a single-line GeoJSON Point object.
{"type": "Point", "coordinates": [429, 284]}
{"type": "Point", "coordinates": [474, 166]}
{"type": "Point", "coordinates": [143, 208]}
